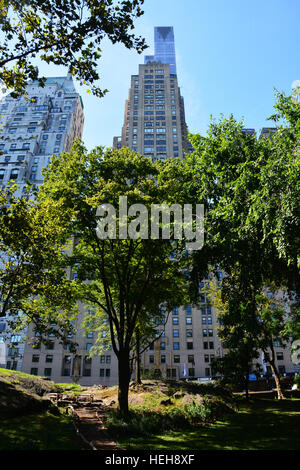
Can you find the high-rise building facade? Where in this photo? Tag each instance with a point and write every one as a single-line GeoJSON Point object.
{"type": "Point", "coordinates": [31, 131]}
{"type": "Point", "coordinates": [154, 121]}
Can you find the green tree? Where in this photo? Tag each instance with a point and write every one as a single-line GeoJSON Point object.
{"type": "Point", "coordinates": [252, 196]}
{"type": "Point", "coordinates": [237, 320]}
{"type": "Point", "coordinates": [65, 33]}
{"type": "Point", "coordinates": [33, 285]}
{"type": "Point", "coordinates": [130, 274]}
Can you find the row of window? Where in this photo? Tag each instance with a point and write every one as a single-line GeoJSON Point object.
{"type": "Point", "coordinates": [66, 372]}
{"type": "Point", "coordinates": [189, 320]}
{"type": "Point", "coordinates": [20, 158]}
{"type": "Point", "coordinates": [158, 90]}
{"type": "Point", "coordinates": [176, 358]}
{"type": "Point", "coordinates": [25, 146]}
{"type": "Point", "coordinates": [205, 310]}
{"type": "Point", "coordinates": [172, 373]}
{"type": "Point", "coordinates": [189, 333]}
{"type": "Point", "coordinates": [67, 359]}
{"type": "Point", "coordinates": [189, 345]}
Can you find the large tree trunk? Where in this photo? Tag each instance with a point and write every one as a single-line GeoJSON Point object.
{"type": "Point", "coordinates": [271, 361]}
{"type": "Point", "coordinates": [280, 394]}
{"type": "Point", "coordinates": [124, 379]}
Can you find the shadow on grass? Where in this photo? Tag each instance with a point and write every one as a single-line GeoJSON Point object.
{"type": "Point", "coordinates": [38, 431]}
{"type": "Point", "coordinates": [260, 425]}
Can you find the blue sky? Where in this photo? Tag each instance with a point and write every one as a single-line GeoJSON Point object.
{"type": "Point", "coordinates": [231, 56]}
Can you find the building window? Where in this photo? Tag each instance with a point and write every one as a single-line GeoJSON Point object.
{"type": "Point", "coordinates": [175, 333]}
{"type": "Point", "coordinates": [47, 372]}
{"type": "Point", "coordinates": [189, 333]}
{"type": "Point", "coordinates": [14, 174]}
{"type": "Point", "coordinates": [171, 373]}
{"type": "Point", "coordinates": [188, 320]}
{"type": "Point", "coordinates": [189, 345]}
{"type": "Point", "coordinates": [176, 359]}
{"type": "Point", "coordinates": [175, 320]}
{"type": "Point", "coordinates": [34, 371]}
{"type": "Point", "coordinates": [151, 359]}
{"type": "Point", "coordinates": [191, 358]}
{"type": "Point", "coordinates": [49, 358]}
{"type": "Point", "coordinates": [162, 359]}
{"type": "Point", "coordinates": [176, 346]}
{"type": "Point", "coordinates": [35, 358]}
{"type": "Point", "coordinates": [279, 356]}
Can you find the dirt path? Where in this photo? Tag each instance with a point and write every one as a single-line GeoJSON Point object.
{"type": "Point", "coordinates": [90, 425]}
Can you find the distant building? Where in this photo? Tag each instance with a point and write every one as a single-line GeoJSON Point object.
{"type": "Point", "coordinates": [154, 121]}
{"type": "Point", "coordinates": [267, 132]}
{"type": "Point", "coordinates": [31, 131]}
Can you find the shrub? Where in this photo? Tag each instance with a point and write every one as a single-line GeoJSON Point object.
{"type": "Point", "coordinates": [195, 413]}
{"type": "Point", "coordinates": [147, 422]}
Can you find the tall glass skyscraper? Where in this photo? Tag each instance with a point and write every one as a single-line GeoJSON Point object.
{"type": "Point", "coordinates": [164, 47]}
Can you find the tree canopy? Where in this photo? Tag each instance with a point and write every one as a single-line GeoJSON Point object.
{"type": "Point", "coordinates": [250, 187]}
{"type": "Point", "coordinates": [126, 274]}
{"type": "Point", "coordinates": [33, 280]}
{"type": "Point", "coordinates": [67, 33]}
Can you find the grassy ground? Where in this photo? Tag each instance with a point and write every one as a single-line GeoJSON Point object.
{"type": "Point", "coordinates": [263, 424]}
{"type": "Point", "coordinates": [38, 431]}
{"type": "Point", "coordinates": [28, 424]}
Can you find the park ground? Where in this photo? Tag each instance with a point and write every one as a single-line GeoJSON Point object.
{"type": "Point", "coordinates": [262, 423]}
